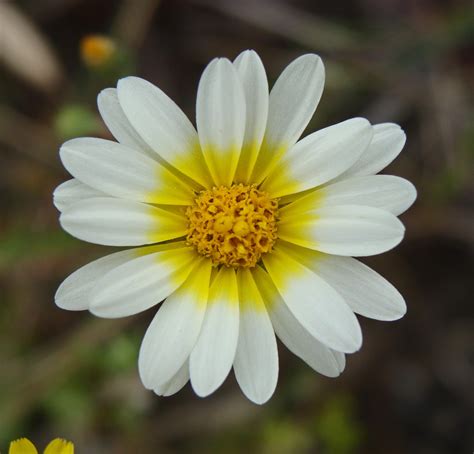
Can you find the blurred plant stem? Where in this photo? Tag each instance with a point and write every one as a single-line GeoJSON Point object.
{"type": "Point", "coordinates": [133, 20]}
{"type": "Point", "coordinates": [289, 22]}
{"type": "Point", "coordinates": [28, 137]}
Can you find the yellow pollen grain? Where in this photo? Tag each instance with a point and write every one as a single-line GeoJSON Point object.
{"type": "Point", "coordinates": [233, 226]}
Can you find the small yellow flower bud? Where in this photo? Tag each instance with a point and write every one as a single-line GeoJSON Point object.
{"type": "Point", "coordinates": [97, 50]}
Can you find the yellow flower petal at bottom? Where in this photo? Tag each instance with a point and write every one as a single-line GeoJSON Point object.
{"type": "Point", "coordinates": [59, 446]}
{"type": "Point", "coordinates": [22, 446]}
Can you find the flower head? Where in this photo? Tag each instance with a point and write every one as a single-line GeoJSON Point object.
{"type": "Point", "coordinates": [243, 229]}
{"type": "Point", "coordinates": [57, 446]}
{"type": "Point", "coordinates": [97, 50]}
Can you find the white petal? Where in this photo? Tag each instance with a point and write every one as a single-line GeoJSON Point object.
{"type": "Point", "coordinates": [252, 74]}
{"type": "Point", "coordinates": [314, 303]}
{"type": "Point", "coordinates": [141, 283]}
{"type": "Point", "coordinates": [365, 291]}
{"type": "Point", "coordinates": [387, 143]}
{"type": "Point", "coordinates": [296, 338]}
{"type": "Point", "coordinates": [174, 330]}
{"type": "Point", "coordinates": [341, 360]}
{"type": "Point", "coordinates": [176, 383]}
{"type": "Point", "coordinates": [256, 359]}
{"type": "Point", "coordinates": [213, 355]}
{"type": "Point", "coordinates": [387, 192]}
{"type": "Point", "coordinates": [163, 126]}
{"type": "Point", "coordinates": [121, 171]}
{"type": "Point", "coordinates": [117, 122]}
{"type": "Point", "coordinates": [71, 191]}
{"type": "Point", "coordinates": [293, 100]}
{"type": "Point", "coordinates": [320, 157]}
{"type": "Point", "coordinates": [220, 118]}
{"type": "Point", "coordinates": [118, 222]}
{"type": "Point", "coordinates": [354, 230]}
{"type": "Point", "coordinates": [74, 293]}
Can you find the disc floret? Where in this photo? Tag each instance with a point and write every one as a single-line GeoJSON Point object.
{"type": "Point", "coordinates": [233, 226]}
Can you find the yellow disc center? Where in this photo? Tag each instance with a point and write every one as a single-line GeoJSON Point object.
{"type": "Point", "coordinates": [233, 226]}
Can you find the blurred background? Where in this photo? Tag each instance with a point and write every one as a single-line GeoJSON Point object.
{"type": "Point", "coordinates": [410, 388]}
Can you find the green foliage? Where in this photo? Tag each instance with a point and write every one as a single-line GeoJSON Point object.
{"type": "Point", "coordinates": [70, 405]}
{"type": "Point", "coordinates": [451, 180]}
{"type": "Point", "coordinates": [336, 426]}
{"type": "Point", "coordinates": [19, 244]}
{"type": "Point", "coordinates": [285, 435]}
{"type": "Point", "coordinates": [121, 354]}
{"type": "Point", "coordinates": [75, 120]}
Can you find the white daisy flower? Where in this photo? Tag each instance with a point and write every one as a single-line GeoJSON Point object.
{"type": "Point", "coordinates": [249, 230]}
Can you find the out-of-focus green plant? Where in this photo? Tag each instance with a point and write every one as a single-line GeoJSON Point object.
{"type": "Point", "coordinates": [336, 426]}
{"type": "Point", "coordinates": [18, 244]}
{"type": "Point", "coordinates": [75, 120]}
{"type": "Point", "coordinates": [451, 180]}
{"type": "Point", "coordinates": [70, 405]}
{"type": "Point", "coordinates": [121, 354]}
{"type": "Point", "coordinates": [284, 436]}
